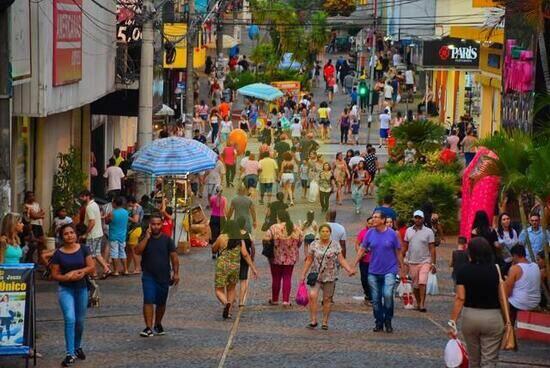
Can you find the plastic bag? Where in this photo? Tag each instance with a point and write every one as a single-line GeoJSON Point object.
{"type": "Point", "coordinates": [302, 297]}
{"type": "Point", "coordinates": [398, 99]}
{"type": "Point", "coordinates": [406, 293]}
{"type": "Point", "coordinates": [313, 192]}
{"type": "Point", "coordinates": [431, 287]}
{"type": "Point", "coordinates": [335, 88]}
{"type": "Point", "coordinates": [455, 354]}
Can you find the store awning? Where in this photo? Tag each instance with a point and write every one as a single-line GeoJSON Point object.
{"type": "Point", "coordinates": [228, 42]}
{"type": "Point", "coordinates": [478, 33]}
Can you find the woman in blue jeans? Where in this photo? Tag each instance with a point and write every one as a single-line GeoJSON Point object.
{"type": "Point", "coordinates": [70, 265]}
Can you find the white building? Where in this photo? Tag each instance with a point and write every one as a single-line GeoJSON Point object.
{"type": "Point", "coordinates": [70, 47]}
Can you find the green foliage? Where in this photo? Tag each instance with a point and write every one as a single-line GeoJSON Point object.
{"type": "Point", "coordinates": [425, 134]}
{"type": "Point", "coordinates": [339, 7]}
{"type": "Point", "coordinates": [69, 181]}
{"type": "Point", "coordinates": [538, 173]}
{"type": "Point", "coordinates": [413, 186]}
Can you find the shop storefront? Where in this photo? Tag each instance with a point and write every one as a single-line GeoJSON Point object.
{"type": "Point", "coordinates": [452, 66]}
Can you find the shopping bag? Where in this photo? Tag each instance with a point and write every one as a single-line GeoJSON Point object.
{"type": "Point", "coordinates": [455, 354]}
{"type": "Point", "coordinates": [313, 192]}
{"type": "Point", "coordinates": [398, 99]}
{"type": "Point", "coordinates": [335, 87]}
{"type": "Point", "coordinates": [407, 295]}
{"type": "Point", "coordinates": [431, 287]}
{"type": "Point", "coordinates": [302, 297]}
{"type": "Point", "coordinates": [209, 136]}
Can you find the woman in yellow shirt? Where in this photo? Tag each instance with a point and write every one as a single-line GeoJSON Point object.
{"type": "Point", "coordinates": [324, 119]}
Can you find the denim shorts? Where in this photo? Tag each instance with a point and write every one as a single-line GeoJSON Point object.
{"type": "Point", "coordinates": [154, 292]}
{"type": "Point", "coordinates": [94, 246]}
{"type": "Point", "coordinates": [266, 187]}
{"type": "Point", "coordinates": [118, 249]}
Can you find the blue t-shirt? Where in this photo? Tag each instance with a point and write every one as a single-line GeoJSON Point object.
{"type": "Point", "coordinates": [382, 246]}
{"type": "Point", "coordinates": [118, 225]}
{"type": "Point", "coordinates": [69, 262]}
{"type": "Point", "coordinates": [353, 96]}
{"type": "Point", "coordinates": [388, 211]}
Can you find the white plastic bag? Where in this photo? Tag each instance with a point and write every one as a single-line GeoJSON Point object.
{"type": "Point", "coordinates": [335, 88]}
{"type": "Point", "coordinates": [313, 192]}
{"type": "Point", "coordinates": [398, 99]}
{"type": "Point", "coordinates": [455, 354]}
{"type": "Point", "coordinates": [431, 287]}
{"type": "Point", "coordinates": [209, 136]}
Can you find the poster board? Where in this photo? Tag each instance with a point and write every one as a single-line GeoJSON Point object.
{"type": "Point", "coordinates": [17, 309]}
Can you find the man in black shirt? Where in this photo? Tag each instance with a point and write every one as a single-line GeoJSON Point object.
{"type": "Point", "coordinates": [198, 136]}
{"type": "Point", "coordinates": [157, 252]}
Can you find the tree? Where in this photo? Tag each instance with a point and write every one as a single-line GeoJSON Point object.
{"type": "Point", "coordinates": [339, 7]}
{"type": "Point", "coordinates": [69, 181]}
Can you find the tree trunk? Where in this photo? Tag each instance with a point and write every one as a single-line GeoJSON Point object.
{"type": "Point", "coordinates": [544, 60]}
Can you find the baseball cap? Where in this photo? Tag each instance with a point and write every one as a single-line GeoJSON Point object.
{"type": "Point", "coordinates": [418, 213]}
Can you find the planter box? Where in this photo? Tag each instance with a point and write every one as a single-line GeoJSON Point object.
{"type": "Point", "coordinates": [533, 326]}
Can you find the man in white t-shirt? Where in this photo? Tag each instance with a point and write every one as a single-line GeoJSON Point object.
{"type": "Point", "coordinates": [355, 159]}
{"type": "Point", "coordinates": [114, 176]}
{"type": "Point", "coordinates": [385, 119]}
{"type": "Point", "coordinates": [420, 255]}
{"type": "Point", "coordinates": [296, 129]}
{"type": "Point", "coordinates": [94, 231]}
{"type": "Point", "coordinates": [396, 59]}
{"type": "Point", "coordinates": [409, 83]}
{"type": "Point", "coordinates": [338, 232]}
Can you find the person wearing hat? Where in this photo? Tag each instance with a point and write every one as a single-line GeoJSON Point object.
{"type": "Point", "coordinates": [419, 254]}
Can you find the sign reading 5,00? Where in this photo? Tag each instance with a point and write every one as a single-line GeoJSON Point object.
{"type": "Point", "coordinates": [128, 23]}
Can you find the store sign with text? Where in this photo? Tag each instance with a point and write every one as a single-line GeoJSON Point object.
{"type": "Point", "coordinates": [67, 41]}
{"type": "Point", "coordinates": [451, 52]}
{"type": "Point", "coordinates": [128, 30]}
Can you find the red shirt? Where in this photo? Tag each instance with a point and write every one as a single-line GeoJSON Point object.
{"type": "Point", "coordinates": [167, 226]}
{"type": "Point", "coordinates": [328, 71]}
{"type": "Point", "coordinates": [229, 156]}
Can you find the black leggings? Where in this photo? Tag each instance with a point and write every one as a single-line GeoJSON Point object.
{"type": "Point", "coordinates": [344, 131]}
{"type": "Point", "coordinates": [229, 174]}
{"type": "Point", "coordinates": [324, 197]}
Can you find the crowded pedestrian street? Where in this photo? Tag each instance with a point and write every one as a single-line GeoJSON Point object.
{"type": "Point", "coordinates": [251, 183]}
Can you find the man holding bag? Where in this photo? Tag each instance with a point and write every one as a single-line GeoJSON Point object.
{"type": "Point", "coordinates": [419, 254]}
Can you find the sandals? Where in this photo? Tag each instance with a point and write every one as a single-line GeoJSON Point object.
{"type": "Point", "coordinates": [271, 302]}
{"type": "Point", "coordinates": [324, 327]}
{"type": "Point", "coordinates": [226, 309]}
{"type": "Point", "coordinates": [312, 325]}
{"type": "Point", "coordinates": [107, 274]}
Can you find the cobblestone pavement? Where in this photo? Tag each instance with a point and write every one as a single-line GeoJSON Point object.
{"type": "Point", "coordinates": [264, 336]}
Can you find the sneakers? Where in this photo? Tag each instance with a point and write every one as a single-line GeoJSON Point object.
{"type": "Point", "coordinates": [378, 328]}
{"type": "Point", "coordinates": [159, 331]}
{"type": "Point", "coordinates": [68, 361]}
{"type": "Point", "coordinates": [147, 332]}
{"type": "Point", "coordinates": [80, 354]}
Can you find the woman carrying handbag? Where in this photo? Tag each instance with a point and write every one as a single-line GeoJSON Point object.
{"type": "Point", "coordinates": [477, 297]}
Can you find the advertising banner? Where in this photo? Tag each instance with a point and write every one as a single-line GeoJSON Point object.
{"type": "Point", "coordinates": [450, 53]}
{"type": "Point", "coordinates": [127, 29]}
{"type": "Point", "coordinates": [16, 291]}
{"type": "Point", "coordinates": [67, 41]}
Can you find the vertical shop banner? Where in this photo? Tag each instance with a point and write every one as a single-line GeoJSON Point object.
{"type": "Point", "coordinates": [67, 41]}
{"type": "Point", "coordinates": [15, 312]}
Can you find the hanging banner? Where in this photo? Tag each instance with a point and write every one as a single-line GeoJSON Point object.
{"type": "Point", "coordinates": [16, 290]}
{"type": "Point", "coordinates": [67, 41]}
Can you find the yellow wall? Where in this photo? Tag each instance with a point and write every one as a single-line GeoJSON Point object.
{"type": "Point", "coordinates": [484, 3]}
{"type": "Point", "coordinates": [459, 8]}
{"type": "Point", "coordinates": [174, 32]}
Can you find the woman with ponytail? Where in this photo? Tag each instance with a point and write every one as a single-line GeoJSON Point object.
{"type": "Point", "coordinates": [287, 239]}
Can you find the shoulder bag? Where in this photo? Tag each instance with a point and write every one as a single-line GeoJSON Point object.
{"type": "Point", "coordinates": [314, 275]}
{"type": "Point", "coordinates": [269, 247]}
{"type": "Point", "coordinates": [508, 338]}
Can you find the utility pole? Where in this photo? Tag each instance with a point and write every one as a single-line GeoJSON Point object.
{"type": "Point", "coordinates": [189, 90]}
{"type": "Point", "coordinates": [372, 64]}
{"type": "Point", "coordinates": [5, 121]}
{"type": "Point", "coordinates": [219, 28]}
{"type": "Point", "coordinates": [145, 119]}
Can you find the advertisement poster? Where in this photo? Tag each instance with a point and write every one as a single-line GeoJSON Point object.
{"type": "Point", "coordinates": [67, 41]}
{"type": "Point", "coordinates": [520, 52]}
{"type": "Point", "coordinates": [15, 302]}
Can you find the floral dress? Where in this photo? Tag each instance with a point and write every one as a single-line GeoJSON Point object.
{"type": "Point", "coordinates": [228, 264]}
{"type": "Point", "coordinates": [286, 248]}
{"type": "Point", "coordinates": [327, 265]}
{"type": "Point", "coordinates": [340, 173]}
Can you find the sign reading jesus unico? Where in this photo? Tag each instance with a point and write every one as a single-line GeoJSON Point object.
{"type": "Point", "coordinates": [451, 52]}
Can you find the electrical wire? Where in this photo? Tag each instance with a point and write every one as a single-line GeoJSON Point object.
{"type": "Point", "coordinates": [103, 7]}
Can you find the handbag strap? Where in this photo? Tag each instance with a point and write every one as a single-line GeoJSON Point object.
{"type": "Point", "coordinates": [500, 279]}
{"type": "Point", "coordinates": [323, 258]}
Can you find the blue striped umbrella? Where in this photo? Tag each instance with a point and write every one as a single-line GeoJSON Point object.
{"type": "Point", "coordinates": [261, 91]}
{"type": "Point", "coordinates": [174, 156]}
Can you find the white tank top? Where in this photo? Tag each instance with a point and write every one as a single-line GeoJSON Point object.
{"type": "Point", "coordinates": [526, 292]}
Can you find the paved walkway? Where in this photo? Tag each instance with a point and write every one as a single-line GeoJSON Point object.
{"type": "Point", "coordinates": [262, 335]}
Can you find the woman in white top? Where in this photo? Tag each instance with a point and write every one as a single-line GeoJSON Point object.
{"type": "Point", "coordinates": [227, 127]}
{"type": "Point", "coordinates": [522, 283]}
{"type": "Point", "coordinates": [507, 236]}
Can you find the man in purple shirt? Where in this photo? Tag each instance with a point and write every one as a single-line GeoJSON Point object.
{"type": "Point", "coordinates": [386, 261]}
